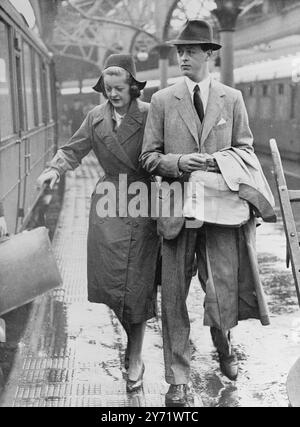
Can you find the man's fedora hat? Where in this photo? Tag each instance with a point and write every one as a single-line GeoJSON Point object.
{"type": "Point", "coordinates": [124, 61]}
{"type": "Point", "coordinates": [196, 32]}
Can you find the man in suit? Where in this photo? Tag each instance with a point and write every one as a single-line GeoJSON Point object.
{"type": "Point", "coordinates": [3, 227]}
{"type": "Point", "coordinates": [188, 124]}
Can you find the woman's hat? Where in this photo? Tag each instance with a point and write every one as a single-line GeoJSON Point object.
{"type": "Point", "coordinates": [124, 61]}
{"type": "Point", "coordinates": [196, 32]}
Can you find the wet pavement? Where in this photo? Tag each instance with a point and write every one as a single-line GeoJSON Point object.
{"type": "Point", "coordinates": [72, 351]}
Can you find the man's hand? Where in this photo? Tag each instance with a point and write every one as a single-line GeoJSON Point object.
{"type": "Point", "coordinates": [50, 176]}
{"type": "Point", "coordinates": [3, 226]}
{"type": "Point", "coordinates": [193, 162]}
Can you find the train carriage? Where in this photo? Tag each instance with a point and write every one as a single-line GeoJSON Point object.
{"type": "Point", "coordinates": [271, 92]}
{"type": "Point", "coordinates": [28, 131]}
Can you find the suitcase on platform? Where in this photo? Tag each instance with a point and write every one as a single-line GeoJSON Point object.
{"type": "Point", "coordinates": [27, 268]}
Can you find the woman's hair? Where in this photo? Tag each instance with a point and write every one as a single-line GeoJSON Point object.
{"type": "Point", "coordinates": [134, 90]}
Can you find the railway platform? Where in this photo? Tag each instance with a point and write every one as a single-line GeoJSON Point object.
{"type": "Point", "coordinates": [72, 352]}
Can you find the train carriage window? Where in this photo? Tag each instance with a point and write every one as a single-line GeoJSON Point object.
{"type": "Point", "coordinates": [6, 110]}
{"type": "Point", "coordinates": [48, 76]}
{"type": "Point", "coordinates": [44, 94]}
{"type": "Point", "coordinates": [38, 78]}
{"type": "Point", "coordinates": [29, 97]}
{"type": "Point", "coordinates": [265, 90]}
{"type": "Point", "coordinates": [294, 90]}
{"type": "Point", "coordinates": [280, 89]}
{"type": "Point", "coordinates": [20, 90]}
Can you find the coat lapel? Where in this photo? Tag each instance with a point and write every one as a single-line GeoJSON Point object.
{"type": "Point", "coordinates": [185, 109]}
{"type": "Point", "coordinates": [131, 123]}
{"type": "Point", "coordinates": [214, 106]}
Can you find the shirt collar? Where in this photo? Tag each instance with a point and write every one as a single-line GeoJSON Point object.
{"type": "Point", "coordinates": [118, 116]}
{"type": "Point", "coordinates": [203, 85]}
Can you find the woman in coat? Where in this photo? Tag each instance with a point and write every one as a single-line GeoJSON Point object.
{"type": "Point", "coordinates": [122, 249]}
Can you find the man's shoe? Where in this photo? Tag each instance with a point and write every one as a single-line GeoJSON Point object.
{"type": "Point", "coordinates": [228, 360]}
{"type": "Point", "coordinates": [179, 395]}
{"type": "Point", "coordinates": [221, 340]}
{"type": "Point", "coordinates": [229, 366]}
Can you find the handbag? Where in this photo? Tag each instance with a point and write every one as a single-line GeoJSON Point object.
{"type": "Point", "coordinates": [27, 268]}
{"type": "Point", "coordinates": [208, 199]}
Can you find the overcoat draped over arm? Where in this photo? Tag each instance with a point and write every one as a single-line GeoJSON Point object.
{"type": "Point", "coordinates": [122, 248]}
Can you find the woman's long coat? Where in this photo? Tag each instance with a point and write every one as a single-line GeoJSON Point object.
{"type": "Point", "coordinates": [122, 249]}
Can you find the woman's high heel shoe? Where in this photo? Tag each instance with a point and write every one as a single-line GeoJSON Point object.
{"type": "Point", "coordinates": [135, 385]}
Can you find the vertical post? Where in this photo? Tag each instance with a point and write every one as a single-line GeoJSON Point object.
{"type": "Point", "coordinates": [100, 62]}
{"type": "Point", "coordinates": [164, 51]}
{"type": "Point", "coordinates": [162, 9]}
{"type": "Point", "coordinates": [226, 55]}
{"type": "Point", "coordinates": [227, 13]}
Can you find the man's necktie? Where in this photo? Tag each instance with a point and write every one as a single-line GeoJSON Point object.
{"type": "Point", "coordinates": [198, 103]}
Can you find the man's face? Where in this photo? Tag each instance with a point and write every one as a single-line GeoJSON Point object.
{"type": "Point", "coordinates": [192, 60]}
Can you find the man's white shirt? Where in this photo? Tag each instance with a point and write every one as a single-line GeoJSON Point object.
{"type": "Point", "coordinates": [204, 86]}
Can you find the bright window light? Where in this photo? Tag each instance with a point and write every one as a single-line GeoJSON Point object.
{"type": "Point", "coordinates": [24, 7]}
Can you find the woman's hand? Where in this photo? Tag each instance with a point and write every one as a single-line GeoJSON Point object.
{"type": "Point", "coordinates": [51, 176]}
{"type": "Point", "coordinates": [3, 226]}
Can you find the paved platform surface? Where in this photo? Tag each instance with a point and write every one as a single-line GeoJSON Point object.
{"type": "Point", "coordinates": [72, 351]}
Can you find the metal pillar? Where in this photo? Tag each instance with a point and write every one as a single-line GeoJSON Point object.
{"type": "Point", "coordinates": [226, 55]}
{"type": "Point", "coordinates": [162, 9]}
{"type": "Point", "coordinates": [227, 13]}
{"type": "Point", "coordinates": [163, 50]}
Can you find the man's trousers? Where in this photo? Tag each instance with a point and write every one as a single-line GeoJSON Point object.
{"type": "Point", "coordinates": [223, 270]}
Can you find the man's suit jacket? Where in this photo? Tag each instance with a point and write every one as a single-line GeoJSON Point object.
{"type": "Point", "coordinates": [171, 130]}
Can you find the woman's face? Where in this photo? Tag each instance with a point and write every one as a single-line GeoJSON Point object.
{"type": "Point", "coordinates": [118, 91]}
